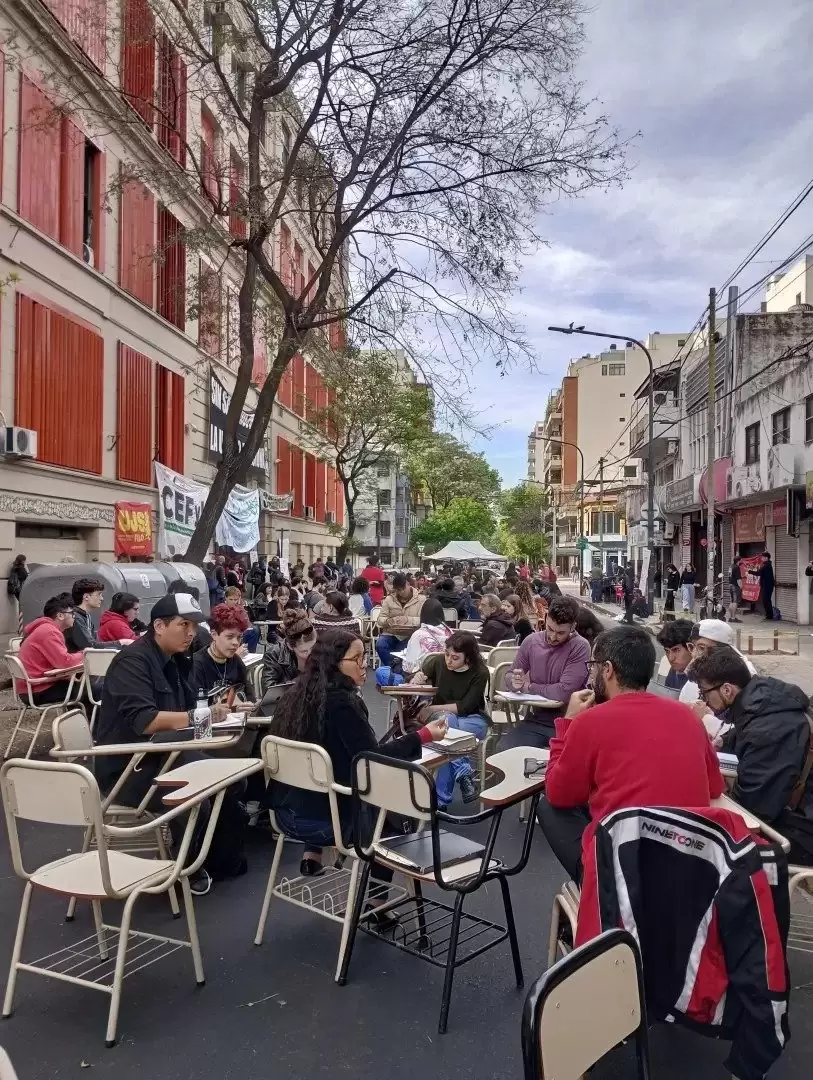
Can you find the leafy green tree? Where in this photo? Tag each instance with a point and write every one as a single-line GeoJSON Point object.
{"type": "Point", "coordinates": [460, 519]}
{"type": "Point", "coordinates": [523, 522]}
{"type": "Point", "coordinates": [441, 469]}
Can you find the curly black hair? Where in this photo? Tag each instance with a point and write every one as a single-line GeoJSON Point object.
{"type": "Point", "coordinates": [300, 713]}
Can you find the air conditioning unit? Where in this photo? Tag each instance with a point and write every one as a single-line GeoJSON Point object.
{"type": "Point", "coordinates": [659, 399]}
{"type": "Point", "coordinates": [672, 447]}
{"type": "Point", "coordinates": [19, 442]}
{"type": "Point", "coordinates": [330, 518]}
{"type": "Point", "coordinates": [309, 512]}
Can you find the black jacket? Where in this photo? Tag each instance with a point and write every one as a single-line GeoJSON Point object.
{"type": "Point", "coordinates": [673, 580]}
{"type": "Point", "coordinates": [279, 665]}
{"type": "Point", "coordinates": [766, 576]}
{"type": "Point", "coordinates": [688, 577]}
{"type": "Point", "coordinates": [497, 628]}
{"type": "Point", "coordinates": [451, 598]}
{"type": "Point", "coordinates": [140, 682]}
{"type": "Point", "coordinates": [16, 579]}
{"type": "Point", "coordinates": [771, 736]}
{"type": "Point", "coordinates": [346, 732]}
{"type": "Point", "coordinates": [82, 635]}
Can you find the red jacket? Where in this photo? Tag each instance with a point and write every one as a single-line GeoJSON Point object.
{"type": "Point", "coordinates": [636, 750]}
{"type": "Point", "coordinates": [114, 627]}
{"type": "Point", "coordinates": [42, 649]}
{"type": "Point", "coordinates": [375, 576]}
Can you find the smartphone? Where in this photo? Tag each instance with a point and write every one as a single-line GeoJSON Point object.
{"type": "Point", "coordinates": [533, 766]}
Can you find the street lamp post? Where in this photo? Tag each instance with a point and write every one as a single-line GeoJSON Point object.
{"type": "Point", "coordinates": [650, 468]}
{"type": "Point", "coordinates": [564, 442]}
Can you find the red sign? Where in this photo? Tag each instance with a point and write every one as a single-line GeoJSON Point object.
{"type": "Point", "coordinates": [133, 529]}
{"type": "Point", "coordinates": [777, 513]}
{"type": "Point", "coordinates": [749, 525]}
{"type": "Point", "coordinates": [749, 577]}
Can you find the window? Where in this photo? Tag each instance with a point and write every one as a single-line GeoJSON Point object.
{"type": "Point", "coordinates": [171, 269]}
{"type": "Point", "coordinates": [285, 138]}
{"type": "Point", "coordinates": [383, 468]}
{"type": "Point", "coordinates": [172, 101]}
{"type": "Point", "coordinates": [282, 467]}
{"type": "Point", "coordinates": [298, 283]}
{"type": "Point", "coordinates": [612, 522]}
{"type": "Point", "coordinates": [286, 265]}
{"type": "Point", "coordinates": [752, 444]}
{"type": "Point", "coordinates": [85, 24]}
{"type": "Point", "coordinates": [138, 58]}
{"type": "Point", "coordinates": [137, 242]}
{"type": "Point", "coordinates": [58, 385]}
{"type": "Point", "coordinates": [209, 178]}
{"type": "Point", "coordinates": [622, 395]}
{"type": "Point", "coordinates": [384, 529]}
{"type": "Point", "coordinates": [134, 416]}
{"type": "Point", "coordinates": [169, 418]}
{"type": "Point", "coordinates": [240, 89]}
{"type": "Point", "coordinates": [237, 222]}
{"type": "Point", "coordinates": [92, 214]}
{"type": "Point", "coordinates": [809, 418]}
{"type": "Point", "coordinates": [384, 496]}
{"type": "Point", "coordinates": [780, 427]}
{"type": "Point", "coordinates": [209, 309]}
{"type": "Point", "coordinates": [630, 470]}
{"type": "Point", "coordinates": [299, 385]}
{"type": "Point", "coordinates": [622, 419]}
{"type": "Point", "coordinates": [616, 369]}
{"type": "Point", "coordinates": [681, 342]}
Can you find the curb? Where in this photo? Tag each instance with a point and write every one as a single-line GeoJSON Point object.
{"type": "Point", "coordinates": [611, 613]}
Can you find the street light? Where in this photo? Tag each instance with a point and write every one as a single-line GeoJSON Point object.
{"type": "Point", "coordinates": [578, 449]}
{"type": "Point", "coordinates": [650, 467]}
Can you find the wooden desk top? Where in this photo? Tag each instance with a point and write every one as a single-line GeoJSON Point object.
{"type": "Point", "coordinates": [511, 697]}
{"type": "Point", "coordinates": [515, 785]}
{"type": "Point", "coordinates": [408, 690]}
{"type": "Point", "coordinates": [206, 775]}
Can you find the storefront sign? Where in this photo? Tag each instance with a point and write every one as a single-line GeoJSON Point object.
{"type": "Point", "coordinates": [678, 494]}
{"type": "Point", "coordinates": [132, 529]}
{"type": "Point", "coordinates": [749, 578]}
{"type": "Point", "coordinates": [749, 525]}
{"type": "Point", "coordinates": [776, 513]}
{"type": "Point", "coordinates": [219, 401]}
{"type": "Point", "coordinates": [721, 469]}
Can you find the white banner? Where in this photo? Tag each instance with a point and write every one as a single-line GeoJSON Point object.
{"type": "Point", "coordinates": [180, 502]}
{"type": "Point", "coordinates": [646, 558]}
{"type": "Point", "coordinates": [239, 525]}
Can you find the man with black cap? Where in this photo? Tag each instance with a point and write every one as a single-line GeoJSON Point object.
{"type": "Point", "coordinates": [147, 696]}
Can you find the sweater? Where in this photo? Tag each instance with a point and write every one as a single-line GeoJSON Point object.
{"type": "Point", "coordinates": [375, 576]}
{"type": "Point", "coordinates": [465, 689]}
{"type": "Point", "coordinates": [556, 671]}
{"type": "Point", "coordinates": [636, 750]}
{"type": "Point", "coordinates": [114, 627]}
{"type": "Point", "coordinates": [42, 649]}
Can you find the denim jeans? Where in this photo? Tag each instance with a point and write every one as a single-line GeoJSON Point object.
{"type": "Point", "coordinates": [251, 638]}
{"type": "Point", "coordinates": [384, 646]}
{"type": "Point", "coordinates": [687, 596]}
{"type": "Point", "coordinates": [447, 775]}
{"type": "Point", "coordinates": [316, 835]}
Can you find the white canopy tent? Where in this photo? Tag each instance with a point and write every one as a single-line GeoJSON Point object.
{"type": "Point", "coordinates": [463, 550]}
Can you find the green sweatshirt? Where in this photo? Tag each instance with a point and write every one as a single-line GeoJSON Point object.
{"type": "Point", "coordinates": [465, 689]}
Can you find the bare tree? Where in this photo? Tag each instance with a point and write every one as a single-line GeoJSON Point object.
{"type": "Point", "coordinates": [418, 143]}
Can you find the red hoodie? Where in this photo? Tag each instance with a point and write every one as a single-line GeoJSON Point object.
{"type": "Point", "coordinates": [42, 649]}
{"type": "Point", "coordinates": [114, 627]}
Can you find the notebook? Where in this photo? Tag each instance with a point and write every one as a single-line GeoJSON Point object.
{"type": "Point", "coordinates": [455, 741]}
{"type": "Point", "coordinates": [417, 850]}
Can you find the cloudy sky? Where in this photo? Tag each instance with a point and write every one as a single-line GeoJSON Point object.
{"type": "Point", "coordinates": [721, 95]}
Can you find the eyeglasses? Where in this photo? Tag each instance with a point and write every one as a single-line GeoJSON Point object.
{"type": "Point", "coordinates": [359, 660]}
{"type": "Point", "coordinates": [594, 663]}
{"type": "Point", "coordinates": [704, 694]}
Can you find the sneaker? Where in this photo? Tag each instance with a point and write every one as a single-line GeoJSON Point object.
{"type": "Point", "coordinates": [468, 789]}
{"type": "Point", "coordinates": [311, 868]}
{"type": "Point", "coordinates": [200, 883]}
{"type": "Point", "coordinates": [253, 809]}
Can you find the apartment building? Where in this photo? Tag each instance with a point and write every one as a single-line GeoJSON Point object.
{"type": "Point", "coordinates": [386, 516]}
{"type": "Point", "coordinates": [103, 354]}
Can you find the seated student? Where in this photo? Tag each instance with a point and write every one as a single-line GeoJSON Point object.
{"type": "Point", "coordinates": [497, 624]}
{"type": "Point", "coordinates": [147, 695]}
{"type": "Point", "coordinates": [400, 617]}
{"type": "Point", "coordinates": [202, 638]}
{"type": "Point", "coordinates": [284, 661]}
{"type": "Point", "coordinates": [771, 738]}
{"type": "Point", "coordinates": [325, 707]}
{"type": "Point", "coordinates": [44, 648]}
{"type": "Point", "coordinates": [588, 625]}
{"type": "Point", "coordinates": [430, 637]}
{"type": "Point", "coordinates": [674, 638]}
{"type": "Point", "coordinates": [552, 663]}
{"type": "Point", "coordinates": [461, 677]}
{"type": "Point", "coordinates": [217, 668]}
{"type": "Point", "coordinates": [116, 624]}
{"type": "Point", "coordinates": [251, 635]}
{"type": "Point", "coordinates": [360, 602]}
{"type": "Point", "coordinates": [334, 612]}
{"type": "Point", "coordinates": [705, 635]}
{"type": "Point", "coordinates": [619, 746]}
{"type": "Point", "coordinates": [87, 595]}
{"type": "Point", "coordinates": [445, 591]}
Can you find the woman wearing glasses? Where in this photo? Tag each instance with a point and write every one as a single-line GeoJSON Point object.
{"type": "Point", "coordinates": [324, 706]}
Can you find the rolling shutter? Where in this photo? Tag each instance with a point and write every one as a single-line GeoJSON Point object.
{"type": "Point", "coordinates": [786, 596]}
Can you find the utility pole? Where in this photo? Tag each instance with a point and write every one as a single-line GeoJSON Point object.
{"type": "Point", "coordinates": [601, 513]}
{"type": "Point", "coordinates": [378, 523]}
{"type": "Point", "coordinates": [710, 426]}
{"type": "Point", "coordinates": [553, 537]}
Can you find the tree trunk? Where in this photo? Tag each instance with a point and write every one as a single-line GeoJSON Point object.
{"type": "Point", "coordinates": [350, 532]}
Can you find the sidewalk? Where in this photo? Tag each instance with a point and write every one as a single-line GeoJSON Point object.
{"type": "Point", "coordinates": [793, 669]}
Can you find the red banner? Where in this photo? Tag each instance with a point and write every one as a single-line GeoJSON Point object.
{"type": "Point", "coordinates": [749, 525]}
{"type": "Point", "coordinates": [749, 577]}
{"type": "Point", "coordinates": [133, 529]}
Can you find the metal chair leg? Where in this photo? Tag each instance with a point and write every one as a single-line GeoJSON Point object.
{"type": "Point", "coordinates": [100, 936]}
{"type": "Point", "coordinates": [118, 977]}
{"type": "Point", "coordinates": [450, 964]}
{"type": "Point", "coordinates": [350, 904]}
{"type": "Point", "coordinates": [361, 892]}
{"type": "Point", "coordinates": [192, 926]}
{"type": "Point", "coordinates": [269, 889]}
{"type": "Point", "coordinates": [36, 734]}
{"type": "Point", "coordinates": [10, 743]}
{"type": "Point", "coordinates": [553, 941]}
{"type": "Point", "coordinates": [512, 930]}
{"type": "Point", "coordinates": [8, 1001]}
{"type": "Point", "coordinates": [164, 854]}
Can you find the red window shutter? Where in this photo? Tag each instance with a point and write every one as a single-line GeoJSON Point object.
{"type": "Point", "coordinates": [285, 257]}
{"type": "Point", "coordinates": [99, 181]}
{"type": "Point", "coordinates": [85, 22]}
{"type": "Point", "coordinates": [134, 412]}
{"type": "Point", "coordinates": [331, 490]}
{"type": "Point", "coordinates": [282, 467]}
{"type": "Point", "coordinates": [138, 58]}
{"type": "Point", "coordinates": [310, 480]}
{"type": "Point", "coordinates": [58, 385]}
{"type": "Point", "coordinates": [259, 370]}
{"type": "Point", "coordinates": [237, 223]}
{"type": "Point", "coordinates": [171, 269]}
{"type": "Point", "coordinates": [320, 503]}
{"type": "Point", "coordinates": [137, 241]}
{"type": "Point", "coordinates": [315, 285]}
{"type": "Point", "coordinates": [169, 418]}
{"type": "Point", "coordinates": [298, 364]}
{"type": "Point", "coordinates": [298, 282]}
{"type": "Point", "coordinates": [40, 155]}
{"type": "Point", "coordinates": [310, 393]}
{"type": "Point", "coordinates": [210, 304]}
{"type": "Point", "coordinates": [297, 486]}
{"type": "Point", "coordinates": [2, 103]}
{"type": "Point", "coordinates": [172, 100]}
{"type": "Point", "coordinates": [339, 503]}
{"type": "Point", "coordinates": [72, 187]}
{"type": "Point", "coordinates": [285, 392]}
{"type": "Point", "coordinates": [210, 180]}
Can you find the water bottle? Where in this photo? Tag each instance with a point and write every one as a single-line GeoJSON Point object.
{"type": "Point", "coordinates": [202, 717]}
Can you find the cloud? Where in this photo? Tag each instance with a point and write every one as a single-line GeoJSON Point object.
{"type": "Point", "coordinates": [721, 98]}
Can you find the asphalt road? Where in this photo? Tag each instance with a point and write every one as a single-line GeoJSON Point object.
{"type": "Point", "coordinates": [274, 1011]}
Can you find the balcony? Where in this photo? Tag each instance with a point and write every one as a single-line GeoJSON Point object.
{"type": "Point", "coordinates": [664, 428]}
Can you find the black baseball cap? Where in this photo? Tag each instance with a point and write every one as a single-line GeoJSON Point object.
{"type": "Point", "coordinates": [177, 604]}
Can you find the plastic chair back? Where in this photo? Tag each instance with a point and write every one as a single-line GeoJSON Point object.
{"type": "Point", "coordinates": [450, 615]}
{"type": "Point", "coordinates": [6, 1068]}
{"type": "Point", "coordinates": [502, 654]}
{"type": "Point", "coordinates": [97, 661]}
{"type": "Point", "coordinates": [16, 668]}
{"type": "Point", "coordinates": [297, 764]}
{"type": "Point", "coordinates": [374, 613]}
{"type": "Point", "coordinates": [472, 625]}
{"type": "Point", "coordinates": [401, 787]}
{"type": "Point", "coordinates": [71, 731]}
{"type": "Point", "coordinates": [14, 644]}
{"type": "Point", "coordinates": [602, 980]}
